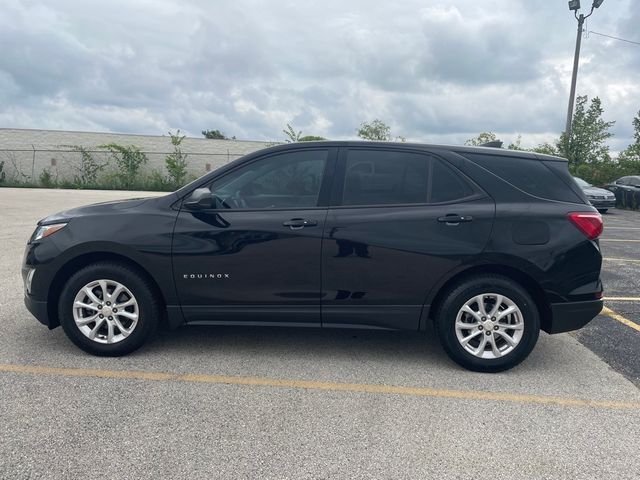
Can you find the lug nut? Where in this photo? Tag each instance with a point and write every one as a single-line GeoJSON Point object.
{"type": "Point", "coordinates": [99, 307]}
{"type": "Point", "coordinates": [110, 317]}
{"type": "Point", "coordinates": [115, 310]}
{"type": "Point", "coordinates": [493, 319]}
{"type": "Point", "coordinates": [488, 332]}
{"type": "Point", "coordinates": [108, 303]}
{"type": "Point", "coordinates": [496, 327]}
{"type": "Point", "coordinates": [484, 318]}
{"type": "Point", "coordinates": [101, 316]}
{"type": "Point", "coordinates": [480, 327]}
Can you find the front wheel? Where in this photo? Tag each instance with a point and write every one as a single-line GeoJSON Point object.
{"type": "Point", "coordinates": [603, 210]}
{"type": "Point", "coordinates": [488, 323]}
{"type": "Point", "coordinates": [108, 309]}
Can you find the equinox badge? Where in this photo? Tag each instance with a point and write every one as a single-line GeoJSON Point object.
{"type": "Point", "coordinates": [189, 276]}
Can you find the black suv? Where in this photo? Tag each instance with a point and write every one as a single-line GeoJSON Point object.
{"type": "Point", "coordinates": [491, 245]}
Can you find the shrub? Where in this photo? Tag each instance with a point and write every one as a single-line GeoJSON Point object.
{"type": "Point", "coordinates": [176, 162]}
{"type": "Point", "coordinates": [47, 180]}
{"type": "Point", "coordinates": [128, 159]}
{"type": "Point", "coordinates": [87, 170]}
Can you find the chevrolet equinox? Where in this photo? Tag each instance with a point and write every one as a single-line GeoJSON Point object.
{"type": "Point", "coordinates": [490, 245]}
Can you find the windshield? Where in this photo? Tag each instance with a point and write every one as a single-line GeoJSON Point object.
{"type": "Point", "coordinates": [581, 183]}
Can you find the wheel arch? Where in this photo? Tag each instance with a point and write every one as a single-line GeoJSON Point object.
{"type": "Point", "coordinates": [539, 296]}
{"type": "Point", "coordinates": [84, 259]}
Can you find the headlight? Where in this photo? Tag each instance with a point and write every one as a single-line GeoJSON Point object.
{"type": "Point", "coordinates": [47, 230]}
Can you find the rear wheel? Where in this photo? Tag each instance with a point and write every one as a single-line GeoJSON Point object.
{"type": "Point", "coordinates": [108, 309]}
{"type": "Point", "coordinates": [488, 323]}
{"type": "Point", "coordinates": [603, 210]}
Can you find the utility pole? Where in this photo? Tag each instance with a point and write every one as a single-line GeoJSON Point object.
{"type": "Point", "coordinates": [574, 5]}
{"type": "Point", "coordinates": [574, 77]}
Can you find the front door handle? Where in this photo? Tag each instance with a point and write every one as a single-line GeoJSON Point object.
{"type": "Point", "coordinates": [298, 223]}
{"type": "Point", "coordinates": [453, 219]}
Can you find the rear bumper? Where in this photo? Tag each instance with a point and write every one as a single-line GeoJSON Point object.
{"type": "Point", "coordinates": [572, 315]}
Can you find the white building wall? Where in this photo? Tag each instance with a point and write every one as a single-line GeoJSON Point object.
{"type": "Point", "coordinates": [26, 153]}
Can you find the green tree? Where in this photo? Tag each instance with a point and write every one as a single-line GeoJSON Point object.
{"type": "Point", "coordinates": [291, 135]}
{"type": "Point", "coordinates": [632, 152]}
{"type": "Point", "coordinates": [214, 135]}
{"type": "Point", "coordinates": [375, 130]}
{"type": "Point", "coordinates": [547, 149]}
{"type": "Point", "coordinates": [311, 138]}
{"type": "Point", "coordinates": [176, 162]}
{"type": "Point", "coordinates": [484, 137]}
{"type": "Point", "coordinates": [589, 133]}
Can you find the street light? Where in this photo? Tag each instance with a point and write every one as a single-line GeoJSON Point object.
{"type": "Point", "coordinates": [574, 6]}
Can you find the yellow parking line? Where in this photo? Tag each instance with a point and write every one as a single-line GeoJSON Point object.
{"type": "Point", "coordinates": [315, 385]}
{"type": "Point", "coordinates": [630, 260]}
{"type": "Point", "coordinates": [616, 316]}
{"type": "Point", "coordinates": [622, 299]}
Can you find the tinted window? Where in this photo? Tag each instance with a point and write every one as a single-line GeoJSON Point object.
{"type": "Point", "coordinates": [581, 183]}
{"type": "Point", "coordinates": [447, 185]}
{"type": "Point", "coordinates": [286, 180]}
{"type": "Point", "coordinates": [531, 176]}
{"type": "Point", "coordinates": [383, 177]}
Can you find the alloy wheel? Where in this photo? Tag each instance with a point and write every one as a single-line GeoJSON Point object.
{"type": "Point", "coordinates": [489, 326]}
{"type": "Point", "coordinates": [105, 311]}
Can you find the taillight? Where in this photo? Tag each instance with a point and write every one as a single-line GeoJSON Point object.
{"type": "Point", "coordinates": [589, 223]}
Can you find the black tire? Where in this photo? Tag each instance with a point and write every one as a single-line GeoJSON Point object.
{"type": "Point", "coordinates": [603, 210]}
{"type": "Point", "coordinates": [459, 294]}
{"type": "Point", "coordinates": [149, 310]}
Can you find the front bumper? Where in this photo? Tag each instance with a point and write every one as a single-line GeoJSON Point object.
{"type": "Point", "coordinates": [603, 203]}
{"type": "Point", "coordinates": [38, 309]}
{"type": "Point", "coordinates": [569, 316]}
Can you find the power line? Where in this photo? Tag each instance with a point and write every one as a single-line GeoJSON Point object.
{"type": "Point", "coordinates": [615, 38]}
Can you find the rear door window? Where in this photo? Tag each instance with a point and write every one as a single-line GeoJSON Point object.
{"type": "Point", "coordinates": [385, 177]}
{"type": "Point", "coordinates": [447, 185]}
{"type": "Point", "coordinates": [388, 177]}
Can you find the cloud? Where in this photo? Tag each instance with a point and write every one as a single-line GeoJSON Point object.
{"type": "Point", "coordinates": [443, 71]}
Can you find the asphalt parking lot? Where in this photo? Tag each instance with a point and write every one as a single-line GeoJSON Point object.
{"type": "Point", "coordinates": [205, 402]}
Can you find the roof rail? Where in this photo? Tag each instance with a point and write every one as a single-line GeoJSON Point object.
{"type": "Point", "coordinates": [492, 144]}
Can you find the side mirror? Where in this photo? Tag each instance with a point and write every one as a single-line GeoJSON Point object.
{"type": "Point", "coordinates": [199, 199]}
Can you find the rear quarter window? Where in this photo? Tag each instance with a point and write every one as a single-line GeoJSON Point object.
{"type": "Point", "coordinates": [530, 176]}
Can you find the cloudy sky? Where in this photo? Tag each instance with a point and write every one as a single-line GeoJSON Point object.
{"type": "Point", "coordinates": [435, 70]}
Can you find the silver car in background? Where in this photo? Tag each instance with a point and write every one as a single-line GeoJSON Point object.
{"type": "Point", "coordinates": [600, 198]}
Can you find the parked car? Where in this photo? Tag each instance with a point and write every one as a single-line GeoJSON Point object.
{"type": "Point", "coordinates": [629, 183]}
{"type": "Point", "coordinates": [490, 245]}
{"type": "Point", "coordinates": [600, 198]}
{"type": "Point", "coordinates": [627, 191]}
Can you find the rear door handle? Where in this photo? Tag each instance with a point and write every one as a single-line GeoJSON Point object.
{"type": "Point", "coordinates": [298, 223]}
{"type": "Point", "coordinates": [453, 219]}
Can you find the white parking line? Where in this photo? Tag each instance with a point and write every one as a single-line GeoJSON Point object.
{"type": "Point", "coordinates": [619, 240]}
